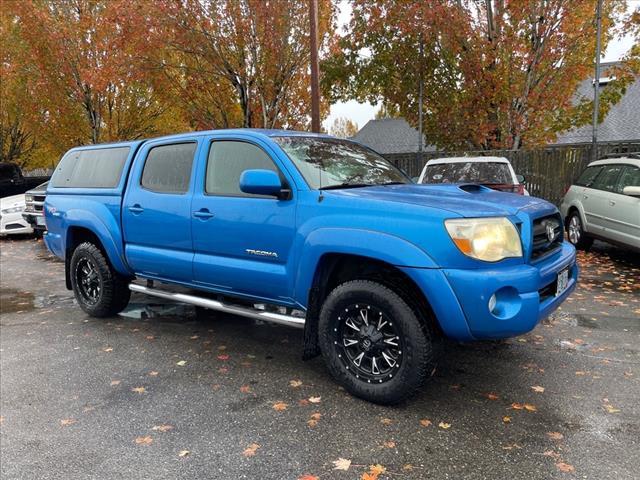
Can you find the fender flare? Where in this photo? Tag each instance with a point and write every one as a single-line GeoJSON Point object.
{"type": "Point", "coordinates": [109, 234]}
{"type": "Point", "coordinates": [353, 241]}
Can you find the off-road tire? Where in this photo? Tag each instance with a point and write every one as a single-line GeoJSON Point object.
{"type": "Point", "coordinates": [416, 339]}
{"type": "Point", "coordinates": [113, 295]}
{"type": "Point", "coordinates": [578, 237]}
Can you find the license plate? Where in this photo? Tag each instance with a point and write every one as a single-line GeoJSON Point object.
{"type": "Point", "coordinates": [563, 281]}
{"type": "Point", "coordinates": [40, 221]}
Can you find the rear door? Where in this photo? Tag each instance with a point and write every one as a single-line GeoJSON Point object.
{"type": "Point", "coordinates": [156, 212]}
{"type": "Point", "coordinates": [624, 213]}
{"type": "Point", "coordinates": [242, 242]}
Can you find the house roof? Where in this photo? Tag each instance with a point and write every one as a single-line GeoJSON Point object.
{"type": "Point", "coordinates": [621, 123]}
{"type": "Point", "coordinates": [390, 135]}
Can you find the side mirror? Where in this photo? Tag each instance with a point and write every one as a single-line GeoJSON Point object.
{"type": "Point", "coordinates": [261, 182]}
{"type": "Point", "coordinates": [520, 178]}
{"type": "Point", "coordinates": [631, 191]}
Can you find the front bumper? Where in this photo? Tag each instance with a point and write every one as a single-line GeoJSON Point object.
{"type": "Point", "coordinates": [525, 295]}
{"type": "Point", "coordinates": [14, 224]}
{"type": "Point", "coordinates": [36, 220]}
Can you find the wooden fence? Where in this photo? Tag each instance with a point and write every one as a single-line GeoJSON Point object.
{"type": "Point", "coordinates": [548, 171]}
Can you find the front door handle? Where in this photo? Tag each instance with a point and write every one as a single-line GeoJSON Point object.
{"type": "Point", "coordinates": [612, 203]}
{"type": "Point", "coordinates": [135, 209]}
{"type": "Point", "coordinates": [585, 196]}
{"type": "Point", "coordinates": [203, 213]}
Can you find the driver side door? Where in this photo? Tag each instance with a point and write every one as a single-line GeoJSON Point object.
{"type": "Point", "coordinates": [242, 242]}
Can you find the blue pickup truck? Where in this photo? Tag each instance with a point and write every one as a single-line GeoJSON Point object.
{"type": "Point", "coordinates": [310, 231]}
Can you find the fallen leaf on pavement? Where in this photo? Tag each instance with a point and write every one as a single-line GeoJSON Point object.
{"type": "Point", "coordinates": [565, 467]}
{"type": "Point", "coordinates": [425, 422]}
{"type": "Point", "coordinates": [181, 363]}
{"type": "Point", "coordinates": [308, 477]}
{"type": "Point", "coordinates": [67, 421]}
{"type": "Point", "coordinates": [162, 428]}
{"type": "Point", "coordinates": [341, 464]}
{"type": "Point", "coordinates": [314, 399]}
{"type": "Point", "coordinates": [139, 389]}
{"type": "Point", "coordinates": [115, 382]}
{"type": "Point", "coordinates": [555, 435]}
{"type": "Point", "coordinates": [389, 445]}
{"type": "Point", "coordinates": [250, 451]}
{"type": "Point", "coordinates": [611, 409]}
{"type": "Point", "coordinates": [108, 349]}
{"type": "Point", "coordinates": [444, 425]}
{"type": "Point", "coordinates": [313, 421]}
{"type": "Point", "coordinates": [183, 453]}
{"type": "Point", "coordinates": [295, 383]}
{"type": "Point", "coordinates": [245, 389]}
{"type": "Point", "coordinates": [506, 419]}
{"type": "Point", "coordinates": [386, 421]}
{"type": "Point", "coordinates": [537, 389]}
{"type": "Point", "coordinates": [530, 408]}
{"type": "Point", "coordinates": [279, 406]}
{"type": "Point", "coordinates": [153, 374]}
{"type": "Point", "coordinates": [223, 357]}
{"type": "Point", "coordinates": [492, 396]}
{"type": "Point", "coordinates": [146, 440]}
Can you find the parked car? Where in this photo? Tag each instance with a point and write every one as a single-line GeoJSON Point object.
{"type": "Point", "coordinates": [493, 172]}
{"type": "Point", "coordinates": [11, 221]}
{"type": "Point", "coordinates": [13, 182]}
{"type": "Point", "coordinates": [327, 233]}
{"type": "Point", "coordinates": [604, 203]}
{"type": "Point", "coordinates": [33, 212]}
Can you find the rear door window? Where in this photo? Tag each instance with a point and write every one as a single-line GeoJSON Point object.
{"type": "Point", "coordinates": [469, 172]}
{"type": "Point", "coordinates": [630, 178]}
{"type": "Point", "coordinates": [95, 168]}
{"type": "Point", "coordinates": [608, 178]}
{"type": "Point", "coordinates": [167, 168]}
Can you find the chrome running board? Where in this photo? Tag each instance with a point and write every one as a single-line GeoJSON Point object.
{"type": "Point", "coordinates": [273, 317]}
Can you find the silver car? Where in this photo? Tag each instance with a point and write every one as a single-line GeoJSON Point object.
{"type": "Point", "coordinates": [604, 203]}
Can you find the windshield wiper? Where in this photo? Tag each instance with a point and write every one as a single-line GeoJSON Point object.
{"type": "Point", "coordinates": [394, 183]}
{"type": "Point", "coordinates": [346, 185]}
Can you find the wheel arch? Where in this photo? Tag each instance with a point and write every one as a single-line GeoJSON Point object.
{"type": "Point", "coordinates": [335, 268]}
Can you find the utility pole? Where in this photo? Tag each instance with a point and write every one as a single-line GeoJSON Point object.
{"type": "Point", "coordinates": [315, 84]}
{"type": "Point", "coordinates": [596, 83]}
{"type": "Point", "coordinates": [420, 93]}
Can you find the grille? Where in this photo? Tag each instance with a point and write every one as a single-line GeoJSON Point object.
{"type": "Point", "coordinates": [38, 202]}
{"type": "Point", "coordinates": [541, 245]}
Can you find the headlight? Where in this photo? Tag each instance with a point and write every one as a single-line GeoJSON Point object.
{"type": "Point", "coordinates": [28, 198]}
{"type": "Point", "coordinates": [488, 239]}
{"type": "Point", "coordinates": [19, 208]}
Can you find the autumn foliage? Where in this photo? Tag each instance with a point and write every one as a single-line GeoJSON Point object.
{"type": "Point", "coordinates": [496, 73]}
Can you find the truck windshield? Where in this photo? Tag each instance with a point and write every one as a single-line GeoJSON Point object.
{"type": "Point", "coordinates": [327, 163]}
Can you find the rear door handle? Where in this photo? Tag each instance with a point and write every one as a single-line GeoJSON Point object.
{"type": "Point", "coordinates": [203, 214]}
{"type": "Point", "coordinates": [612, 203]}
{"type": "Point", "coordinates": [136, 209]}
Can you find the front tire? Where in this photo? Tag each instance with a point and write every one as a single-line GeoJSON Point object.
{"type": "Point", "coordinates": [373, 343]}
{"type": "Point", "coordinates": [99, 289]}
{"type": "Point", "coordinates": [576, 234]}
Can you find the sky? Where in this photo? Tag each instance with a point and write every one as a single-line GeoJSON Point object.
{"type": "Point", "coordinates": [361, 113]}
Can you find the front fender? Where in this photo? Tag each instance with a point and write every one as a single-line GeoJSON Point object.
{"type": "Point", "coordinates": [352, 241]}
{"type": "Point", "coordinates": [106, 228]}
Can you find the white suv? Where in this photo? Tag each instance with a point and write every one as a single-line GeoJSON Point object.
{"type": "Point", "coordinates": [604, 203]}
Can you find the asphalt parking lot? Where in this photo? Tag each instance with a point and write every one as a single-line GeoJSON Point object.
{"type": "Point", "coordinates": [161, 393]}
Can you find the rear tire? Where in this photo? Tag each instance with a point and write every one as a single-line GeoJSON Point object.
{"type": "Point", "coordinates": [373, 342]}
{"type": "Point", "coordinates": [576, 234]}
{"type": "Point", "coordinates": [99, 289]}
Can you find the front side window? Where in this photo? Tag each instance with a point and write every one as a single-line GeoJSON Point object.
{"type": "Point", "coordinates": [630, 178]}
{"type": "Point", "coordinates": [608, 178]}
{"type": "Point", "coordinates": [93, 168]}
{"type": "Point", "coordinates": [227, 160]}
{"type": "Point", "coordinates": [587, 177]}
{"type": "Point", "coordinates": [168, 168]}
{"type": "Point", "coordinates": [486, 173]}
{"type": "Point", "coordinates": [331, 163]}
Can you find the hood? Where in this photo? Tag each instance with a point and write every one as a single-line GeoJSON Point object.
{"type": "Point", "coordinates": [464, 200]}
{"type": "Point", "coordinates": [12, 201]}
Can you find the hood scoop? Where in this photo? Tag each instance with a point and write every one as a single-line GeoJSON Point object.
{"type": "Point", "coordinates": [474, 188]}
